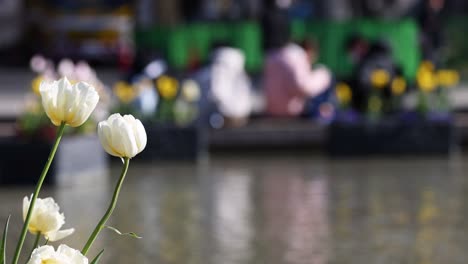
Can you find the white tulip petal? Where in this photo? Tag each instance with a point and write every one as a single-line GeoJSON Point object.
{"type": "Point", "coordinates": [73, 255]}
{"type": "Point", "coordinates": [105, 136]}
{"type": "Point", "coordinates": [140, 136]}
{"type": "Point", "coordinates": [61, 234]}
{"type": "Point", "coordinates": [84, 104]}
{"type": "Point", "coordinates": [40, 253]}
{"type": "Point", "coordinates": [61, 104]}
{"type": "Point", "coordinates": [63, 255]}
{"type": "Point", "coordinates": [26, 203]}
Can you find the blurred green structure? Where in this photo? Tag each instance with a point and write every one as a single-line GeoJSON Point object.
{"type": "Point", "coordinates": [455, 48]}
{"type": "Point", "coordinates": [184, 42]}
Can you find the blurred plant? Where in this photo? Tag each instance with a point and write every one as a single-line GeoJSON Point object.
{"type": "Point", "coordinates": [124, 92]}
{"type": "Point", "coordinates": [343, 94]}
{"type": "Point", "coordinates": [447, 78]}
{"type": "Point", "coordinates": [186, 106]}
{"type": "Point", "coordinates": [167, 87]}
{"type": "Point", "coordinates": [398, 86]}
{"type": "Point", "coordinates": [379, 78]}
{"type": "Point", "coordinates": [427, 83]}
{"type": "Point", "coordinates": [374, 107]}
{"type": "Point", "coordinates": [433, 85]}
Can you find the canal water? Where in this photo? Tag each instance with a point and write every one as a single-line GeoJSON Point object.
{"type": "Point", "coordinates": [271, 209]}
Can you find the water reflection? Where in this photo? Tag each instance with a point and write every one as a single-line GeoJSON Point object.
{"type": "Point", "coordinates": [275, 209]}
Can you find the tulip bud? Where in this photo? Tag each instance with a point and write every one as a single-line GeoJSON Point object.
{"type": "Point", "coordinates": [122, 136]}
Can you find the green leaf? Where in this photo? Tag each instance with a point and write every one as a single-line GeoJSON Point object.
{"type": "Point", "coordinates": [97, 258]}
{"type": "Point", "coordinates": [3, 243]}
{"type": "Point", "coordinates": [131, 234]}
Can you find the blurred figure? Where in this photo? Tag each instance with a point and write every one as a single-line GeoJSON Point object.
{"type": "Point", "coordinates": [290, 82]}
{"type": "Point", "coordinates": [231, 86]}
{"type": "Point", "coordinates": [367, 57]}
{"type": "Point", "coordinates": [429, 19]}
{"type": "Point", "coordinates": [226, 96]}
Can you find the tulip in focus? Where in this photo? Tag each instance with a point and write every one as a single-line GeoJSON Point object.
{"type": "Point", "coordinates": [64, 102]}
{"type": "Point", "coordinates": [46, 219]}
{"type": "Point", "coordinates": [63, 255]}
{"type": "Point", "coordinates": [122, 136]}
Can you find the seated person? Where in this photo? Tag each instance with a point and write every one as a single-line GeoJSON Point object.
{"type": "Point", "coordinates": [290, 82]}
{"type": "Point", "coordinates": [226, 88]}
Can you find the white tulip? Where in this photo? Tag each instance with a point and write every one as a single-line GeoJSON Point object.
{"type": "Point", "coordinates": [63, 255]}
{"type": "Point", "coordinates": [46, 219]}
{"type": "Point", "coordinates": [68, 103]}
{"type": "Point", "coordinates": [122, 136]}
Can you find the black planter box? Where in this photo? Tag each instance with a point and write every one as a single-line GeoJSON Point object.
{"type": "Point", "coordinates": [78, 159]}
{"type": "Point", "coordinates": [391, 137]}
{"type": "Point", "coordinates": [167, 142]}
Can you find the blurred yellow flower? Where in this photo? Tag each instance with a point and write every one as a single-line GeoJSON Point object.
{"type": "Point", "coordinates": [190, 91]}
{"type": "Point", "coordinates": [380, 78]}
{"type": "Point", "coordinates": [427, 66]}
{"type": "Point", "coordinates": [427, 80]}
{"type": "Point", "coordinates": [343, 93]}
{"type": "Point", "coordinates": [36, 82]}
{"type": "Point", "coordinates": [125, 92]}
{"type": "Point", "coordinates": [167, 87]}
{"type": "Point", "coordinates": [398, 86]}
{"type": "Point", "coordinates": [447, 78]}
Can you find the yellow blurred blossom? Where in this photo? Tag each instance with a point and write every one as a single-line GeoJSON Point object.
{"type": "Point", "coordinates": [398, 86]}
{"type": "Point", "coordinates": [380, 78]}
{"type": "Point", "coordinates": [447, 78]}
{"type": "Point", "coordinates": [427, 80]}
{"type": "Point", "coordinates": [36, 82]}
{"type": "Point", "coordinates": [343, 93]}
{"type": "Point", "coordinates": [190, 91]}
{"type": "Point", "coordinates": [125, 92]}
{"type": "Point", "coordinates": [32, 104]}
{"type": "Point", "coordinates": [167, 87]}
{"type": "Point", "coordinates": [427, 66]}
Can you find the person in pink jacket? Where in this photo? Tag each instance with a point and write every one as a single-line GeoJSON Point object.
{"type": "Point", "coordinates": [289, 80]}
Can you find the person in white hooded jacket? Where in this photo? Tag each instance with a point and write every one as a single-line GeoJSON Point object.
{"type": "Point", "coordinates": [230, 85]}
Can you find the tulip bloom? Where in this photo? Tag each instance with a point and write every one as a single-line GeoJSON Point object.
{"type": "Point", "coordinates": [71, 104]}
{"type": "Point", "coordinates": [122, 136]}
{"type": "Point", "coordinates": [46, 219]}
{"type": "Point", "coordinates": [63, 255]}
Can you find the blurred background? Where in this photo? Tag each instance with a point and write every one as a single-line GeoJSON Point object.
{"type": "Point", "coordinates": [279, 131]}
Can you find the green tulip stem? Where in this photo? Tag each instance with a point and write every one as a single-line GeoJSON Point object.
{"type": "Point", "coordinates": [36, 243]}
{"type": "Point", "coordinates": [110, 209]}
{"type": "Point", "coordinates": [36, 193]}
